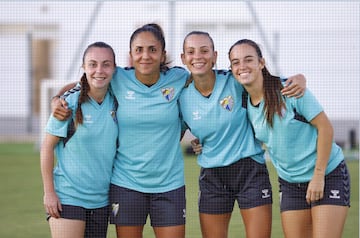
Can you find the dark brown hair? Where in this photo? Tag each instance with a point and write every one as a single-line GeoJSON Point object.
{"type": "Point", "coordinates": [273, 99]}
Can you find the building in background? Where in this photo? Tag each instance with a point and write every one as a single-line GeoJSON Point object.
{"type": "Point", "coordinates": [44, 41]}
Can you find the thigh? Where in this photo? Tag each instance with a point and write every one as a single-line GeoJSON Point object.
{"type": "Point", "coordinates": [297, 223]}
{"type": "Point", "coordinates": [170, 231]}
{"type": "Point", "coordinates": [129, 207]}
{"type": "Point", "coordinates": [61, 227]}
{"type": "Point", "coordinates": [168, 209]}
{"type": "Point", "coordinates": [97, 222]}
{"type": "Point", "coordinates": [328, 220]}
{"type": "Point", "coordinates": [214, 225]}
{"type": "Point", "coordinates": [129, 231]}
{"type": "Point", "coordinates": [260, 216]}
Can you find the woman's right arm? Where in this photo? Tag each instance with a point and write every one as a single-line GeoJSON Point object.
{"type": "Point", "coordinates": [51, 201]}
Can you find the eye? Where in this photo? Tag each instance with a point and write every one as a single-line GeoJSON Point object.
{"type": "Point", "coordinates": [107, 65]}
{"type": "Point", "coordinates": [153, 49]}
{"type": "Point", "coordinates": [91, 65]}
{"type": "Point", "coordinates": [235, 63]}
{"type": "Point", "coordinates": [204, 51]}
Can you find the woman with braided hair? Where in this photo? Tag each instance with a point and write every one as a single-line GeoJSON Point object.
{"type": "Point", "coordinates": [76, 190]}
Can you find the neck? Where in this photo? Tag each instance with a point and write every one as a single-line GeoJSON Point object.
{"type": "Point", "coordinates": [98, 95]}
{"type": "Point", "coordinates": [205, 83]}
{"type": "Point", "coordinates": [256, 92]}
{"type": "Point", "coordinates": [148, 79]}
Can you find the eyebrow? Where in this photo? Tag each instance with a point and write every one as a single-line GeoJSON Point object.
{"type": "Point", "coordinates": [246, 57]}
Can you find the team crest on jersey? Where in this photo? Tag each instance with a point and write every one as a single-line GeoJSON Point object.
{"type": "Point", "coordinates": [227, 103]}
{"type": "Point", "coordinates": [168, 93]}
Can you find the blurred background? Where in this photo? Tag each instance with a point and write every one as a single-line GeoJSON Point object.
{"type": "Point", "coordinates": [41, 46]}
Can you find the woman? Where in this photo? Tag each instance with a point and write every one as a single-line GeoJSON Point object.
{"type": "Point", "coordinates": [76, 190]}
{"type": "Point", "coordinates": [148, 176]}
{"type": "Point", "coordinates": [232, 161]}
{"type": "Point", "coordinates": [313, 177]}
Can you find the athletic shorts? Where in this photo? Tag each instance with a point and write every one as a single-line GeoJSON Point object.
{"type": "Point", "coordinates": [336, 191]}
{"type": "Point", "coordinates": [246, 181]}
{"type": "Point", "coordinates": [131, 208]}
{"type": "Point", "coordinates": [96, 220]}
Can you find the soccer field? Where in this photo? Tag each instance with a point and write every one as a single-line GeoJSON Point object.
{"type": "Point", "coordinates": [22, 213]}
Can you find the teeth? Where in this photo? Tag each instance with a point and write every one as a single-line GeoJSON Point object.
{"type": "Point", "coordinates": [198, 65]}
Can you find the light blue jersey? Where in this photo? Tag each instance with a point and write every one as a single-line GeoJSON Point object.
{"type": "Point", "coordinates": [84, 164]}
{"type": "Point", "coordinates": [292, 143]}
{"type": "Point", "coordinates": [149, 158]}
{"type": "Point", "coordinates": [220, 123]}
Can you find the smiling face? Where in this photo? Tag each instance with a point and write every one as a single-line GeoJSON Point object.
{"type": "Point", "coordinates": [99, 66]}
{"type": "Point", "coordinates": [199, 55]}
{"type": "Point", "coordinates": [146, 54]}
{"type": "Point", "coordinates": [246, 65]}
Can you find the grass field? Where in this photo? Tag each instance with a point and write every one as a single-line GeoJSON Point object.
{"type": "Point", "coordinates": [22, 213]}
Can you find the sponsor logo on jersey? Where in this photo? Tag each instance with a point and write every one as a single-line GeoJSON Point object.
{"type": "Point", "coordinates": [196, 116]}
{"type": "Point", "coordinates": [130, 95]}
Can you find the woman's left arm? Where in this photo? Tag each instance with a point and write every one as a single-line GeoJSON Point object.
{"type": "Point", "coordinates": [325, 131]}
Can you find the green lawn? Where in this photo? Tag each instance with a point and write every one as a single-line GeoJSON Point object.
{"type": "Point", "coordinates": [22, 213]}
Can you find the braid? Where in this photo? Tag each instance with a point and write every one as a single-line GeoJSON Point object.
{"type": "Point", "coordinates": [82, 98]}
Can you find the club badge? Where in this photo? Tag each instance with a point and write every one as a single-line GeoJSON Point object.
{"type": "Point", "coordinates": [227, 103]}
{"type": "Point", "coordinates": [168, 93]}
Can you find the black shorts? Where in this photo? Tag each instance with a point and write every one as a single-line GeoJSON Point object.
{"type": "Point", "coordinates": [336, 191]}
{"type": "Point", "coordinates": [96, 220]}
{"type": "Point", "coordinates": [246, 181]}
{"type": "Point", "coordinates": [131, 208]}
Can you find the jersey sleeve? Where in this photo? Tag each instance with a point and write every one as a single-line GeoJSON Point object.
{"type": "Point", "coordinates": [308, 106]}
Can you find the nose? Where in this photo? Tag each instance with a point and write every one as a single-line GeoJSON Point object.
{"type": "Point", "coordinates": [242, 64]}
{"type": "Point", "coordinates": [100, 69]}
{"type": "Point", "coordinates": [145, 54]}
{"type": "Point", "coordinates": [197, 54]}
